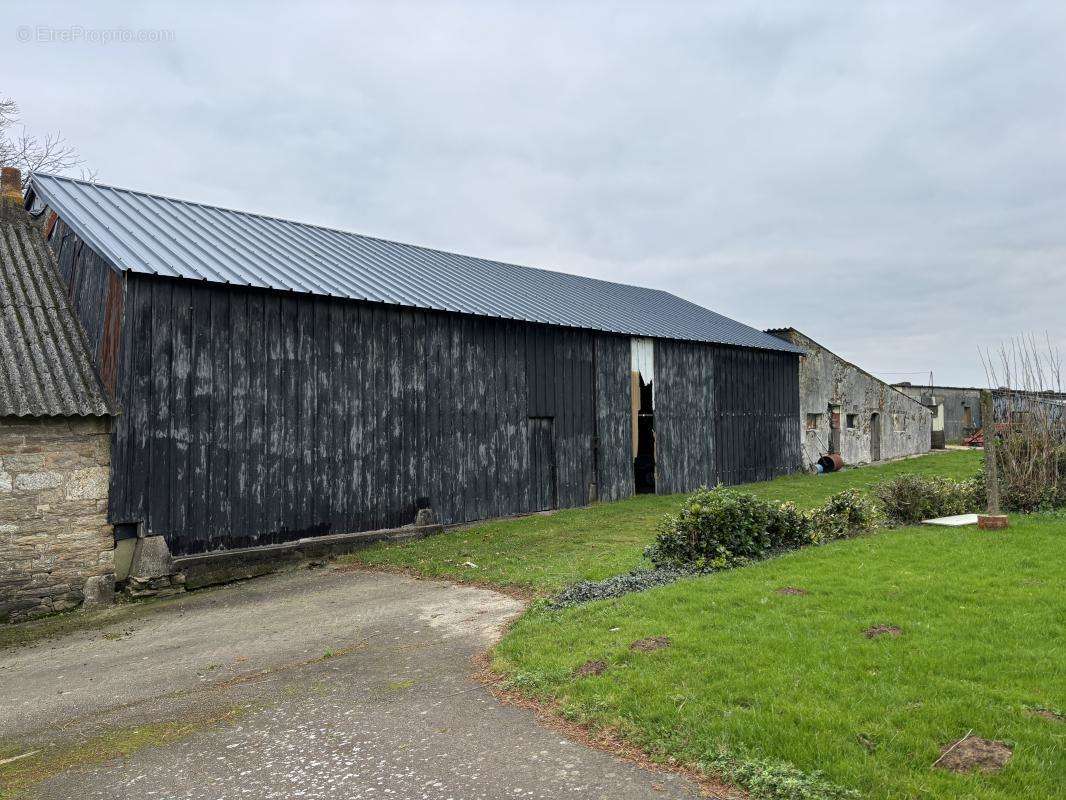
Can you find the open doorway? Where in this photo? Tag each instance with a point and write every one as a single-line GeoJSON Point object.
{"type": "Point", "coordinates": [875, 437]}
{"type": "Point", "coordinates": [642, 395]}
{"type": "Point", "coordinates": [644, 462]}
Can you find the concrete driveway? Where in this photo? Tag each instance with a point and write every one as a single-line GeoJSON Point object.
{"type": "Point", "coordinates": [314, 684]}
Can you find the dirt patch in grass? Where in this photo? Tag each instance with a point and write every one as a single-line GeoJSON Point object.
{"type": "Point", "coordinates": [591, 668]}
{"type": "Point", "coordinates": [867, 742]}
{"type": "Point", "coordinates": [650, 644]}
{"type": "Point", "coordinates": [882, 630]}
{"type": "Point", "coordinates": [606, 740]}
{"type": "Point", "coordinates": [792, 591]}
{"type": "Point", "coordinates": [1046, 713]}
{"type": "Point", "coordinates": [974, 754]}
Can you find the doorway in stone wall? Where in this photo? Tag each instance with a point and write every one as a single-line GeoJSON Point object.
{"type": "Point", "coordinates": [875, 437]}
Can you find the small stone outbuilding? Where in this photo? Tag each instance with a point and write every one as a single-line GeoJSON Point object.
{"type": "Point", "coordinates": [958, 408]}
{"type": "Point", "coordinates": [56, 546]}
{"type": "Point", "coordinates": [846, 410]}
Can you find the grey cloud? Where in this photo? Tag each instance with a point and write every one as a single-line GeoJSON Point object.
{"type": "Point", "coordinates": [869, 173]}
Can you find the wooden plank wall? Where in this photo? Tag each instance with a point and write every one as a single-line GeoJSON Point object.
{"type": "Point", "coordinates": [684, 416]}
{"type": "Point", "coordinates": [614, 424]}
{"type": "Point", "coordinates": [558, 384]}
{"type": "Point", "coordinates": [97, 294]}
{"type": "Point", "coordinates": [255, 417]}
{"type": "Point", "coordinates": [723, 415]}
{"type": "Point", "coordinates": [757, 401]}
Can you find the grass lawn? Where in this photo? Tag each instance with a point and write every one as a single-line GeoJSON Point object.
{"type": "Point", "coordinates": [793, 678]}
{"type": "Point", "coordinates": [545, 553]}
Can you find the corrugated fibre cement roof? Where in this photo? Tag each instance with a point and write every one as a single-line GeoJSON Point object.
{"type": "Point", "coordinates": [45, 366]}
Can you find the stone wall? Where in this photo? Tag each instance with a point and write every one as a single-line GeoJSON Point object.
{"type": "Point", "coordinates": [829, 382]}
{"type": "Point", "coordinates": [54, 533]}
{"type": "Point", "coordinates": [958, 423]}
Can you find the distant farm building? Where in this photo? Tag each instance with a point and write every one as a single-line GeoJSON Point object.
{"type": "Point", "coordinates": [281, 380]}
{"type": "Point", "coordinates": [959, 407]}
{"type": "Point", "coordinates": [846, 410]}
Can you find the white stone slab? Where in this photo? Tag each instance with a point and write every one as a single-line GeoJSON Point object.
{"type": "Point", "coordinates": [958, 521]}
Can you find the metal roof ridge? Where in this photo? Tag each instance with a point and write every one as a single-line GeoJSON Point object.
{"type": "Point", "coordinates": [343, 231]}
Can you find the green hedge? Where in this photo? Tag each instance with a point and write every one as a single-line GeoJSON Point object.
{"type": "Point", "coordinates": [720, 528]}
{"type": "Point", "coordinates": [911, 498]}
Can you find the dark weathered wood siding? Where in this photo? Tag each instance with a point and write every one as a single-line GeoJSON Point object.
{"type": "Point", "coordinates": [252, 417]}
{"type": "Point", "coordinates": [723, 415]}
{"type": "Point", "coordinates": [614, 444]}
{"type": "Point", "coordinates": [255, 417]}
{"type": "Point", "coordinates": [97, 293]}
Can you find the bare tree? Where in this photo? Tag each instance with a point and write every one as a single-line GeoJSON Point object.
{"type": "Point", "coordinates": [30, 153]}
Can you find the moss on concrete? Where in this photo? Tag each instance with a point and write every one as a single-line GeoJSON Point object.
{"type": "Point", "coordinates": [18, 777]}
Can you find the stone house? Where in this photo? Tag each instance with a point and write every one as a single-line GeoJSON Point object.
{"type": "Point", "coordinates": [56, 546]}
{"type": "Point", "coordinates": [846, 410]}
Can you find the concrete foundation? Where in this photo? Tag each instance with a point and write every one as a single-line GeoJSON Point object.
{"type": "Point", "coordinates": [152, 570]}
{"type": "Point", "coordinates": [223, 566]}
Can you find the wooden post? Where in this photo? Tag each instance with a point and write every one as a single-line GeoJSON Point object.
{"type": "Point", "coordinates": [988, 419]}
{"type": "Point", "coordinates": [993, 519]}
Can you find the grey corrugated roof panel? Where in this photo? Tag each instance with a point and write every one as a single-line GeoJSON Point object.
{"type": "Point", "coordinates": [158, 235]}
{"type": "Point", "coordinates": [45, 366]}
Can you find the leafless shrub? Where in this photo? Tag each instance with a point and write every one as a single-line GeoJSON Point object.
{"type": "Point", "coordinates": [31, 153]}
{"type": "Point", "coordinates": [1030, 415]}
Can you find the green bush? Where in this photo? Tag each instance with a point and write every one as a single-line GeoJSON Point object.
{"type": "Point", "coordinates": [720, 528]}
{"type": "Point", "coordinates": [715, 528]}
{"type": "Point", "coordinates": [911, 498]}
{"type": "Point", "coordinates": [789, 527]}
{"type": "Point", "coordinates": [845, 513]}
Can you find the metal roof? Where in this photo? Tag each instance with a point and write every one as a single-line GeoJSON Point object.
{"type": "Point", "coordinates": [45, 366]}
{"type": "Point", "coordinates": [157, 235]}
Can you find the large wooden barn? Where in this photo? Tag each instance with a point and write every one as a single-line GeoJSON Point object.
{"type": "Point", "coordinates": [280, 380]}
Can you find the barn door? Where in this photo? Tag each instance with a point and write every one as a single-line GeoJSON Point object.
{"type": "Point", "coordinates": [542, 462]}
{"type": "Point", "coordinates": [875, 437]}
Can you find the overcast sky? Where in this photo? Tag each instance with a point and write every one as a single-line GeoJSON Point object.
{"type": "Point", "coordinates": [889, 178]}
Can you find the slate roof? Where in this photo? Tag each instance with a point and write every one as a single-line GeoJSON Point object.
{"type": "Point", "coordinates": [151, 234]}
{"type": "Point", "coordinates": [45, 366]}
